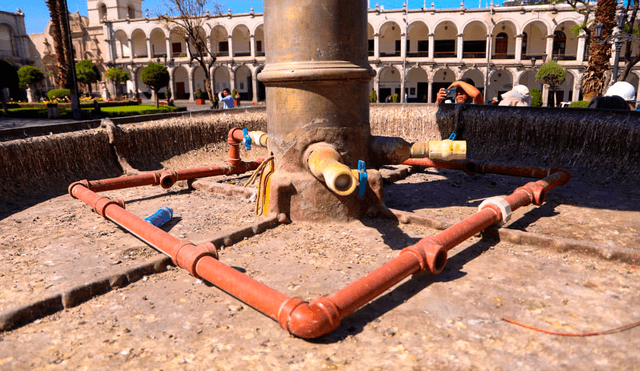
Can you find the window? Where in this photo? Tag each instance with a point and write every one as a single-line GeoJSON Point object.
{"type": "Point", "coordinates": [102, 11]}
{"type": "Point", "coordinates": [176, 49]}
{"type": "Point", "coordinates": [559, 43]}
{"type": "Point", "coordinates": [258, 46]}
{"type": "Point", "coordinates": [223, 47]}
{"type": "Point", "coordinates": [131, 13]}
{"type": "Point", "coordinates": [423, 45]}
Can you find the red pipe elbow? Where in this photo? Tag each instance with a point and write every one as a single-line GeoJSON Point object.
{"type": "Point", "coordinates": [309, 320]}
{"type": "Point", "coordinates": [235, 138]}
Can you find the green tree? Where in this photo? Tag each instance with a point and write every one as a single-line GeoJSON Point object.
{"type": "Point", "coordinates": [29, 75]}
{"type": "Point", "coordinates": [9, 80]}
{"type": "Point", "coordinates": [156, 77]}
{"type": "Point", "coordinates": [87, 73]}
{"type": "Point", "coordinates": [117, 75]}
{"type": "Point", "coordinates": [373, 97]}
{"type": "Point", "coordinates": [552, 74]}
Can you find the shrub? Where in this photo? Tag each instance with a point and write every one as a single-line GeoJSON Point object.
{"type": "Point", "coordinates": [537, 97]}
{"type": "Point", "coordinates": [60, 94]}
{"type": "Point", "coordinates": [395, 97]}
{"type": "Point", "coordinates": [579, 104]}
{"type": "Point", "coordinates": [199, 93]}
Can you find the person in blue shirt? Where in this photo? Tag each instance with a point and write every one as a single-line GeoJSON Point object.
{"type": "Point", "coordinates": [226, 99]}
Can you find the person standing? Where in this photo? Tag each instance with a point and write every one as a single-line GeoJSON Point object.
{"type": "Point", "coordinates": [226, 99]}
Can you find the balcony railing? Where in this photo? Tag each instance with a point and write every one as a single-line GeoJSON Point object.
{"type": "Point", "coordinates": [474, 55]}
{"type": "Point", "coordinates": [529, 56]}
{"type": "Point", "coordinates": [418, 55]}
{"type": "Point", "coordinates": [390, 54]}
{"type": "Point", "coordinates": [259, 54]}
{"type": "Point", "coordinates": [503, 56]}
{"type": "Point", "coordinates": [563, 57]}
{"type": "Point", "coordinates": [444, 54]}
{"type": "Point", "coordinates": [242, 54]}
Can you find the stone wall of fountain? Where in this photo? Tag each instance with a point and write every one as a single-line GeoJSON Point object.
{"type": "Point", "coordinates": [605, 142]}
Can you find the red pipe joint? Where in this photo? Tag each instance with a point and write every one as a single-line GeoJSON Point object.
{"type": "Point", "coordinates": [535, 192]}
{"type": "Point", "coordinates": [309, 320]}
{"type": "Point", "coordinates": [168, 178]}
{"type": "Point", "coordinates": [235, 138]}
{"type": "Point", "coordinates": [187, 255]}
{"type": "Point", "coordinates": [430, 254]}
{"type": "Point", "coordinates": [97, 202]}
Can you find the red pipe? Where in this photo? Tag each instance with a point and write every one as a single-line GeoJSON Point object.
{"type": "Point", "coordinates": [167, 178]}
{"type": "Point", "coordinates": [322, 315]}
{"type": "Point", "coordinates": [471, 167]}
{"type": "Point", "coordinates": [183, 254]}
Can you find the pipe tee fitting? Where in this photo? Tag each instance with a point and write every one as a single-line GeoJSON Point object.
{"type": "Point", "coordinates": [325, 163]}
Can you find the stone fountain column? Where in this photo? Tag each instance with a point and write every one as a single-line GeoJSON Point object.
{"type": "Point", "coordinates": [317, 77]}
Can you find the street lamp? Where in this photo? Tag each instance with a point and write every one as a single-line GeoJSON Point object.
{"type": "Point", "coordinates": [618, 38]}
{"type": "Point", "coordinates": [622, 17]}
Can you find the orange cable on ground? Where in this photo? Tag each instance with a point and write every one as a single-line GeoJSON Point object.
{"type": "Point", "coordinates": [617, 329]}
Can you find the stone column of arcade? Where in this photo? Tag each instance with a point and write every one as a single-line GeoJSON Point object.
{"type": "Point", "coordinates": [316, 77]}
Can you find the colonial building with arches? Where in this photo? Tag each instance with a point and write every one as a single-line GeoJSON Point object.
{"type": "Point", "coordinates": [417, 51]}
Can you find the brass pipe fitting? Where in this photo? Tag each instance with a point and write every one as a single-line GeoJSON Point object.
{"type": "Point", "coordinates": [447, 150]}
{"type": "Point", "coordinates": [259, 138]}
{"type": "Point", "coordinates": [325, 164]}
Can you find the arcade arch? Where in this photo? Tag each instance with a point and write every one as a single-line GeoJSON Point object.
{"type": "Point", "coordinates": [390, 40]}
{"type": "Point", "coordinates": [446, 34]}
{"type": "Point", "coordinates": [241, 41]}
{"type": "Point", "coordinates": [139, 44]}
{"type": "Point", "coordinates": [418, 40]}
{"type": "Point", "coordinates": [222, 79]}
{"type": "Point", "coordinates": [389, 83]}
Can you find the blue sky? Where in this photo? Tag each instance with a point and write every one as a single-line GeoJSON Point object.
{"type": "Point", "coordinates": [37, 13]}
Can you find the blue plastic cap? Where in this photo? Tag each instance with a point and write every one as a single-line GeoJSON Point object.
{"type": "Point", "coordinates": [247, 138]}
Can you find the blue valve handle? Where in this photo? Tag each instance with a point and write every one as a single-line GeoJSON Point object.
{"type": "Point", "coordinates": [247, 139]}
{"type": "Point", "coordinates": [452, 136]}
{"type": "Point", "coordinates": [362, 171]}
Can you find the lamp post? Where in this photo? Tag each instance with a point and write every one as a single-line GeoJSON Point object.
{"type": "Point", "coordinates": [618, 38]}
{"type": "Point", "coordinates": [621, 17]}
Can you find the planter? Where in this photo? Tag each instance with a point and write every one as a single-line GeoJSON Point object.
{"type": "Point", "coordinates": [199, 102]}
{"type": "Point", "coordinates": [52, 110]}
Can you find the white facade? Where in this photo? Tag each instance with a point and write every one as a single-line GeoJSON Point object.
{"type": "Point", "coordinates": [497, 47]}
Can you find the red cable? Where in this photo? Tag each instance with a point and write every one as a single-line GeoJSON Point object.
{"type": "Point", "coordinates": [621, 328]}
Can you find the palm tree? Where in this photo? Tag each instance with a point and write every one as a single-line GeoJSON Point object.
{"type": "Point", "coordinates": [593, 79]}
{"type": "Point", "coordinates": [60, 34]}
